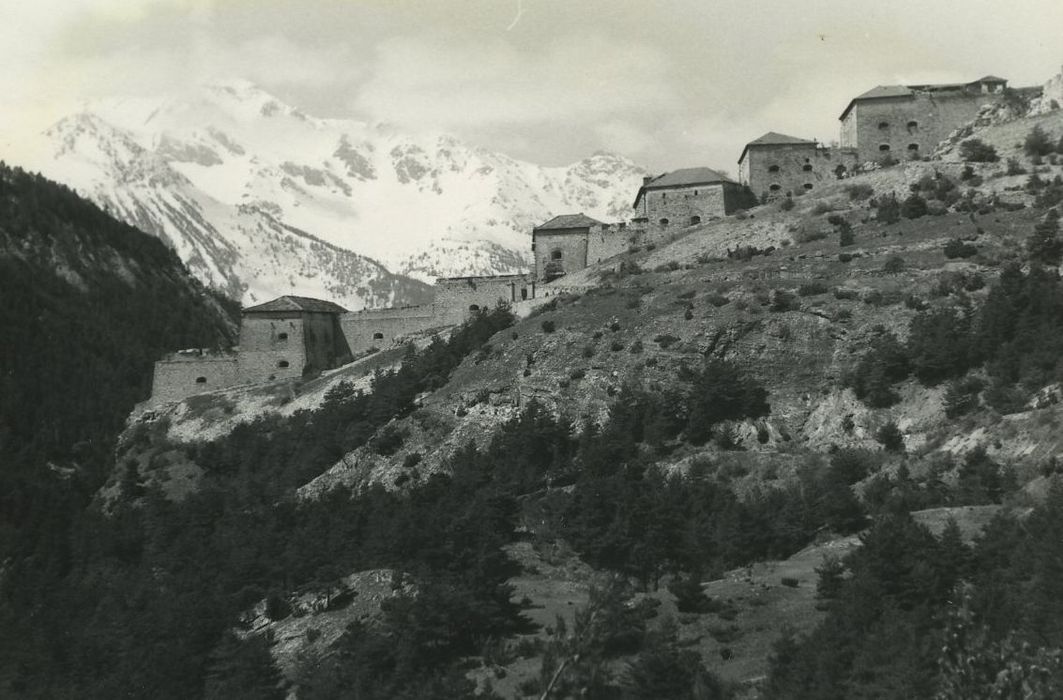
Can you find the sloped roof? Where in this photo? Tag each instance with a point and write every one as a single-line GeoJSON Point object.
{"type": "Point", "coordinates": [580, 220]}
{"type": "Point", "coordinates": [680, 178]}
{"type": "Point", "coordinates": [773, 138]}
{"type": "Point", "coordinates": [881, 91]}
{"type": "Point", "coordinates": [297, 304]}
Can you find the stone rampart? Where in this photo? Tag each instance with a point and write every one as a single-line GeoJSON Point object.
{"type": "Point", "coordinates": [272, 346]}
{"type": "Point", "coordinates": [607, 241]}
{"type": "Point", "coordinates": [191, 372]}
{"type": "Point", "coordinates": [683, 206]}
{"type": "Point", "coordinates": [910, 126]}
{"type": "Point", "coordinates": [559, 251]}
{"type": "Point", "coordinates": [778, 170]}
{"type": "Point", "coordinates": [381, 328]}
{"type": "Point", "coordinates": [457, 297]}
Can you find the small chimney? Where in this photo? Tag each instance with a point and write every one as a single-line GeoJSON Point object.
{"type": "Point", "coordinates": [646, 179]}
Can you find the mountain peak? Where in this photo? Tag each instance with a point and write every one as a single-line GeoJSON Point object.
{"type": "Point", "coordinates": [261, 200]}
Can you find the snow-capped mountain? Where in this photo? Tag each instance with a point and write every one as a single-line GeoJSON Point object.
{"type": "Point", "coordinates": [260, 199]}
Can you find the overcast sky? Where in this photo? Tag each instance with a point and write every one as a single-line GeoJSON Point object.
{"type": "Point", "coordinates": [670, 83]}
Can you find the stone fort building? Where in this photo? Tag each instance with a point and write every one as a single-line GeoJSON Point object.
{"type": "Point", "coordinates": [686, 197]}
{"type": "Point", "coordinates": [571, 242]}
{"type": "Point", "coordinates": [909, 121]}
{"type": "Point", "coordinates": [777, 165]}
{"type": "Point", "coordinates": [293, 337]}
{"type": "Point", "coordinates": [287, 338]}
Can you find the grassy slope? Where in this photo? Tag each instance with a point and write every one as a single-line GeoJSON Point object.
{"type": "Point", "coordinates": [607, 337]}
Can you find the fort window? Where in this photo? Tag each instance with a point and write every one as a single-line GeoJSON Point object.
{"type": "Point", "coordinates": [775, 188]}
{"type": "Point", "coordinates": [884, 147]}
{"type": "Point", "coordinates": [474, 307]}
{"type": "Point", "coordinates": [283, 364]}
{"type": "Point", "coordinates": [282, 336]}
{"type": "Point", "coordinates": [695, 220]}
{"type": "Point", "coordinates": [913, 125]}
{"type": "Point", "coordinates": [773, 168]}
{"type": "Point", "coordinates": [523, 292]}
{"type": "Point", "coordinates": [695, 193]}
{"type": "Point", "coordinates": [840, 171]}
{"type": "Point", "coordinates": [201, 380]}
{"type": "Point", "coordinates": [663, 222]}
{"type": "Point", "coordinates": [913, 147]}
{"type": "Point", "coordinates": [555, 255]}
{"type": "Point", "coordinates": [883, 125]}
{"type": "Point", "coordinates": [378, 336]}
{"type": "Point", "coordinates": [808, 185]}
{"type": "Point", "coordinates": [807, 168]}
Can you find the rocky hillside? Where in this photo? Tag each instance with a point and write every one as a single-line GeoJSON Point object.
{"type": "Point", "coordinates": [260, 199]}
{"type": "Point", "coordinates": [840, 411]}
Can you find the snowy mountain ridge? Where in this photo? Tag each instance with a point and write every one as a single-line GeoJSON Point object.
{"type": "Point", "coordinates": [260, 199]}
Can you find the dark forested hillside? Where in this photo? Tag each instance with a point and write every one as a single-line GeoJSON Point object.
{"type": "Point", "coordinates": [86, 305]}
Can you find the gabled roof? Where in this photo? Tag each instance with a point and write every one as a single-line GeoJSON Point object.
{"type": "Point", "coordinates": [297, 304]}
{"type": "Point", "coordinates": [773, 138]}
{"type": "Point", "coordinates": [887, 91]}
{"type": "Point", "coordinates": [879, 91]}
{"type": "Point", "coordinates": [683, 177]}
{"type": "Point", "coordinates": [580, 220]}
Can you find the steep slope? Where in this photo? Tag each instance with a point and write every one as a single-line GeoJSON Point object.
{"type": "Point", "coordinates": [88, 304]}
{"type": "Point", "coordinates": [528, 457]}
{"type": "Point", "coordinates": [260, 199]}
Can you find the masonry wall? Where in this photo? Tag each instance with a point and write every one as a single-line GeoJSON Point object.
{"type": "Point", "coordinates": [778, 170]}
{"type": "Point", "coordinates": [380, 328]}
{"type": "Point", "coordinates": [179, 377]}
{"type": "Point", "coordinates": [683, 206]}
{"type": "Point", "coordinates": [606, 241]}
{"type": "Point", "coordinates": [909, 127]}
{"type": "Point", "coordinates": [571, 244]}
{"type": "Point", "coordinates": [272, 346]}
{"type": "Point", "coordinates": [457, 297]}
{"type": "Point", "coordinates": [326, 346]}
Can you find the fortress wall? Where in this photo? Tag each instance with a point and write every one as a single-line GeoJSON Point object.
{"type": "Point", "coordinates": [456, 297]}
{"type": "Point", "coordinates": [268, 341]}
{"type": "Point", "coordinates": [267, 365]}
{"type": "Point", "coordinates": [177, 377]}
{"type": "Point", "coordinates": [570, 243]}
{"type": "Point", "coordinates": [799, 165]}
{"type": "Point", "coordinates": [935, 114]}
{"type": "Point", "coordinates": [679, 205]}
{"type": "Point", "coordinates": [326, 346]}
{"type": "Point", "coordinates": [606, 242]}
{"type": "Point", "coordinates": [380, 328]}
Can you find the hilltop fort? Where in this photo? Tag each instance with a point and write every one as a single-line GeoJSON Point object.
{"type": "Point", "coordinates": [293, 337]}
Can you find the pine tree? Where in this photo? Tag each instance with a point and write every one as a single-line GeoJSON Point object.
{"type": "Point", "coordinates": [1044, 246]}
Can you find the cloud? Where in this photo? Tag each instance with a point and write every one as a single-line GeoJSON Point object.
{"type": "Point", "coordinates": [582, 80]}
{"type": "Point", "coordinates": [624, 137]}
